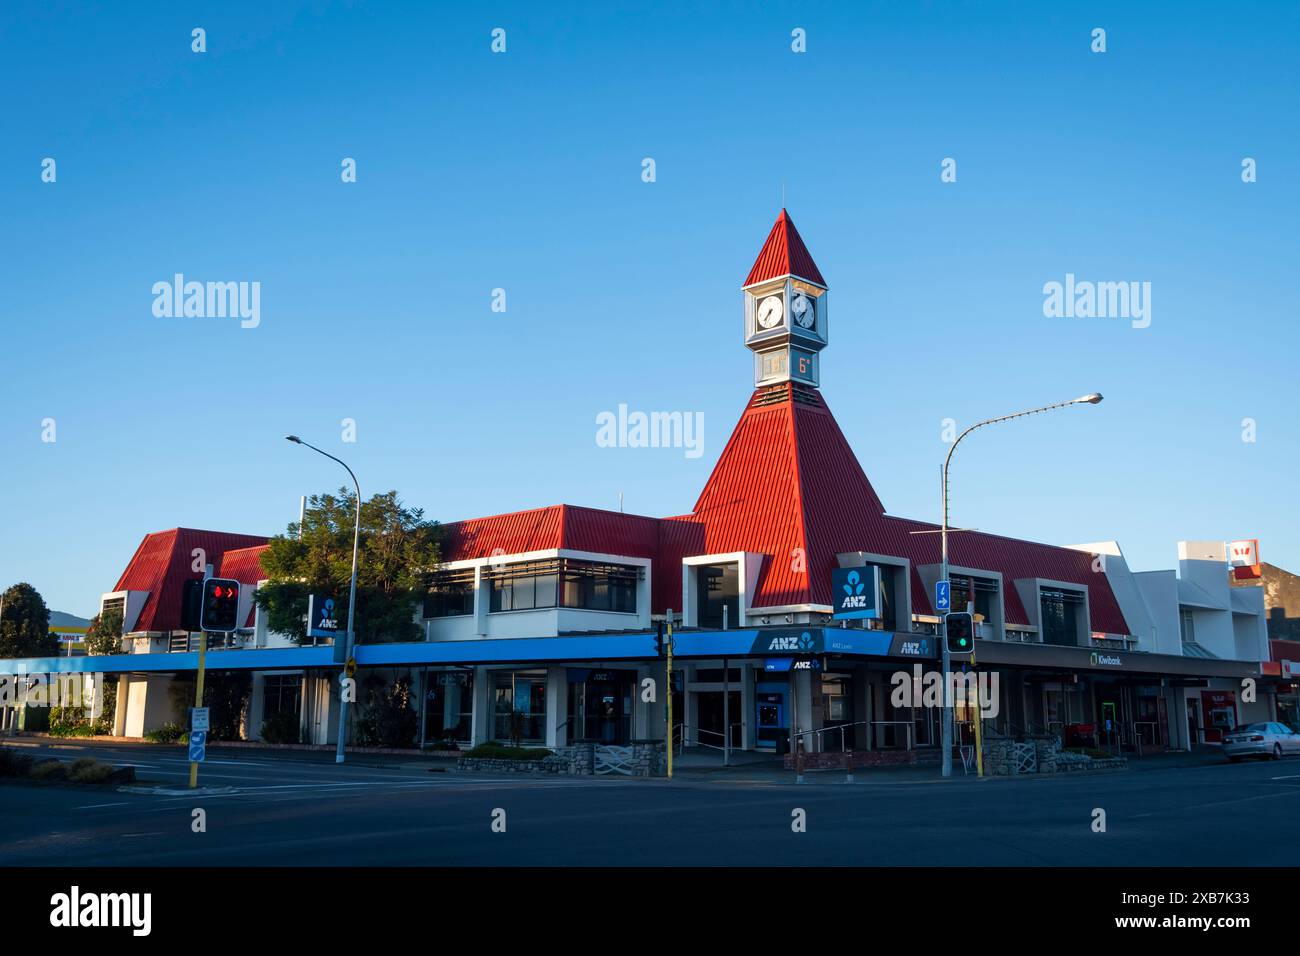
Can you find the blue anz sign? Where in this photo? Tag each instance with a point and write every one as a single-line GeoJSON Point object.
{"type": "Point", "coordinates": [855, 593]}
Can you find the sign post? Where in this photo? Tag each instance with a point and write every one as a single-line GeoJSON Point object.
{"type": "Point", "coordinates": [197, 748]}
{"type": "Point", "coordinates": [669, 691]}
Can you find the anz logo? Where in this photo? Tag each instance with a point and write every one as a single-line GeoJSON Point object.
{"type": "Point", "coordinates": [915, 648]}
{"type": "Point", "coordinates": [803, 642]}
{"type": "Point", "coordinates": [855, 596]}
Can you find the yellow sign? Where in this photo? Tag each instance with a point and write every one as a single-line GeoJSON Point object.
{"type": "Point", "coordinates": [351, 667]}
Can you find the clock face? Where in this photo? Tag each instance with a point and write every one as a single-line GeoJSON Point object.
{"type": "Point", "coordinates": [769, 312]}
{"type": "Point", "coordinates": [804, 311]}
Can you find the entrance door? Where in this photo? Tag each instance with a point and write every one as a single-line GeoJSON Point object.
{"type": "Point", "coordinates": [711, 718]}
{"type": "Point", "coordinates": [771, 726]}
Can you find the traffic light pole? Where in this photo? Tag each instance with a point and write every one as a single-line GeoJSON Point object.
{"type": "Point", "coordinates": [669, 691]}
{"type": "Point", "coordinates": [1091, 399]}
{"type": "Point", "coordinates": [198, 698]}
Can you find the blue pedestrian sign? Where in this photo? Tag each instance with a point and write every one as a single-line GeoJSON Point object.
{"type": "Point", "coordinates": [942, 596]}
{"type": "Point", "coordinates": [198, 745]}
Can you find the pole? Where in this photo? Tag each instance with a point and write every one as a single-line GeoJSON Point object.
{"type": "Point", "coordinates": [979, 711]}
{"type": "Point", "coordinates": [352, 612]}
{"type": "Point", "coordinates": [1091, 399]}
{"type": "Point", "coordinates": [350, 638]}
{"type": "Point", "coordinates": [726, 710]}
{"type": "Point", "coordinates": [669, 692]}
{"type": "Point", "coordinates": [198, 698]}
{"type": "Point", "coordinates": [945, 730]}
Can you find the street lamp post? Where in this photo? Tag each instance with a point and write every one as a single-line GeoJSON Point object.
{"type": "Point", "coordinates": [349, 640]}
{"type": "Point", "coordinates": [947, 728]}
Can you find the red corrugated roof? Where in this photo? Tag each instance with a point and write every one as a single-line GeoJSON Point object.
{"type": "Point", "coordinates": [789, 486]}
{"type": "Point", "coordinates": [164, 560]}
{"type": "Point", "coordinates": [245, 566]}
{"type": "Point", "coordinates": [556, 526]}
{"type": "Point", "coordinates": [784, 254]}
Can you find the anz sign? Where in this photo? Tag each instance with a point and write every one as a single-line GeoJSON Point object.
{"type": "Point", "coordinates": [855, 593]}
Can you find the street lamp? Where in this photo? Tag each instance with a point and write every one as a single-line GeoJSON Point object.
{"type": "Point", "coordinates": [349, 639]}
{"type": "Point", "coordinates": [947, 728]}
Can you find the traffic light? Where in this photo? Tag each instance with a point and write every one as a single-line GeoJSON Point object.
{"type": "Point", "coordinates": [960, 629]}
{"type": "Point", "coordinates": [192, 605]}
{"type": "Point", "coordinates": [220, 606]}
{"type": "Point", "coordinates": [659, 640]}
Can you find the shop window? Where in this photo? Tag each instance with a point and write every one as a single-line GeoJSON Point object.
{"type": "Point", "coordinates": [519, 706]}
{"type": "Point", "coordinates": [448, 707]}
{"type": "Point", "coordinates": [281, 694]}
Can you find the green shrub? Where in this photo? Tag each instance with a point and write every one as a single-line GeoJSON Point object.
{"type": "Point", "coordinates": [499, 751]}
{"type": "Point", "coordinates": [72, 730]}
{"type": "Point", "coordinates": [89, 770]}
{"type": "Point", "coordinates": [13, 763]}
{"type": "Point", "coordinates": [282, 728]}
{"type": "Point", "coordinates": [168, 733]}
{"type": "Point", "coordinates": [49, 770]}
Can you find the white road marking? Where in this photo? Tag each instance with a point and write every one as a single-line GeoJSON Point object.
{"type": "Point", "coordinates": [96, 806]}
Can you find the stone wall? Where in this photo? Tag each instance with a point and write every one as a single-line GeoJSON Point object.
{"type": "Point", "coordinates": [648, 759]}
{"type": "Point", "coordinates": [1001, 756]}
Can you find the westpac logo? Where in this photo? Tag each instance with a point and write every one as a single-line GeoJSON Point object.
{"type": "Point", "coordinates": [792, 642]}
{"type": "Point", "coordinates": [72, 909]}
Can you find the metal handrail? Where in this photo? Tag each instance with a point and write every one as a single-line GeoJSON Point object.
{"type": "Point", "coordinates": [682, 728]}
{"type": "Point", "coordinates": [840, 727]}
{"type": "Point", "coordinates": [911, 729]}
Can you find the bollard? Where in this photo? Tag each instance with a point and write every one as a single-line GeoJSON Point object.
{"type": "Point", "coordinates": [848, 766]}
{"type": "Point", "coordinates": [798, 760]}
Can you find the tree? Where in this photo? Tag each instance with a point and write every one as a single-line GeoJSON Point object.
{"type": "Point", "coordinates": [25, 624]}
{"type": "Point", "coordinates": [398, 549]}
{"type": "Point", "coordinates": [104, 636]}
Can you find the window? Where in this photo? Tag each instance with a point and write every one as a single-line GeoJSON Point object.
{"type": "Point", "coordinates": [448, 706]}
{"type": "Point", "coordinates": [1187, 626]}
{"type": "Point", "coordinates": [519, 706]}
{"type": "Point", "coordinates": [564, 582]}
{"type": "Point", "coordinates": [981, 592]}
{"type": "Point", "coordinates": [888, 616]}
{"type": "Point", "coordinates": [718, 586]}
{"type": "Point", "coordinates": [450, 593]}
{"type": "Point", "coordinates": [1060, 616]}
{"type": "Point", "coordinates": [281, 694]}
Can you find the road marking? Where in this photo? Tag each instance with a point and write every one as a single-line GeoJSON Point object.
{"type": "Point", "coordinates": [96, 806]}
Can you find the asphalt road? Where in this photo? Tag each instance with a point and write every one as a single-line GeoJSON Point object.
{"type": "Point", "coordinates": [302, 809]}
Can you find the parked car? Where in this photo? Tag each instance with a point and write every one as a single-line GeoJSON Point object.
{"type": "Point", "coordinates": [1271, 740]}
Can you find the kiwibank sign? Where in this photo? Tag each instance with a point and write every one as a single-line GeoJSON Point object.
{"type": "Point", "coordinates": [1105, 660]}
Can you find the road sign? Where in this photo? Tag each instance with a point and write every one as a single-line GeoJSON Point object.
{"type": "Point", "coordinates": [351, 667]}
{"type": "Point", "coordinates": [942, 596]}
{"type": "Point", "coordinates": [199, 719]}
{"type": "Point", "coordinates": [198, 745]}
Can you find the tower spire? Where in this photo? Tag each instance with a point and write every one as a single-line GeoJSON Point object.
{"type": "Point", "coordinates": [785, 308]}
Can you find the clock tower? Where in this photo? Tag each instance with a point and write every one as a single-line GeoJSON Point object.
{"type": "Point", "coordinates": [785, 309]}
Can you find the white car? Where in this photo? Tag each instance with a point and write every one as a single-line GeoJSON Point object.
{"type": "Point", "coordinates": [1271, 740]}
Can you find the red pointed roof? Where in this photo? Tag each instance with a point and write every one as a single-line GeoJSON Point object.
{"type": "Point", "coordinates": [784, 254]}
{"type": "Point", "coordinates": [165, 560]}
{"type": "Point", "coordinates": [788, 486]}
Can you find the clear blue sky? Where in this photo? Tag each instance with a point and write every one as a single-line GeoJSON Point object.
{"type": "Point", "coordinates": [522, 171]}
